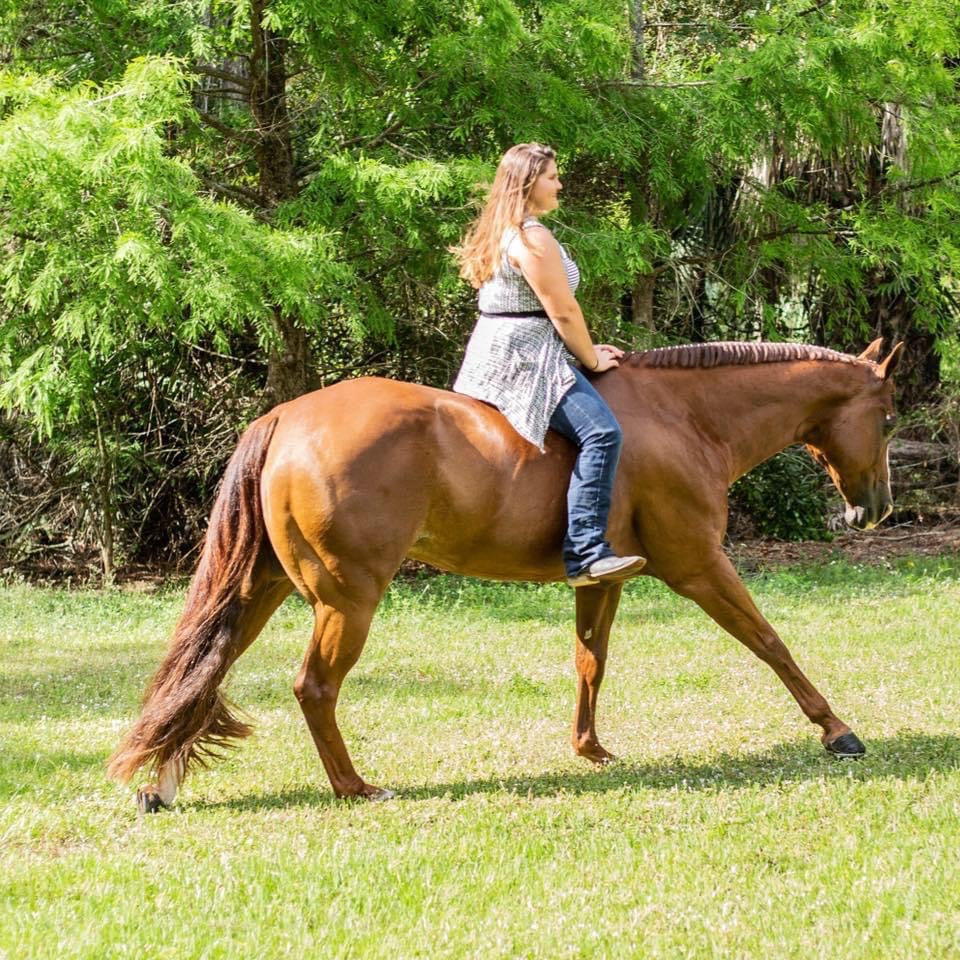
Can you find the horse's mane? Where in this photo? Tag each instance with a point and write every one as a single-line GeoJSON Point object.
{"type": "Point", "coordinates": [732, 353]}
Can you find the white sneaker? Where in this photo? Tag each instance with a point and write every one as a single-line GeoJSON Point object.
{"type": "Point", "coordinates": [612, 569]}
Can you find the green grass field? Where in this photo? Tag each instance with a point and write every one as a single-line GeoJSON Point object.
{"type": "Point", "coordinates": [724, 831]}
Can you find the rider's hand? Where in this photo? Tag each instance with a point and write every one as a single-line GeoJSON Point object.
{"type": "Point", "coordinates": [608, 357]}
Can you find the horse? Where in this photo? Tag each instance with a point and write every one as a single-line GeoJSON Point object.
{"type": "Point", "coordinates": [329, 493]}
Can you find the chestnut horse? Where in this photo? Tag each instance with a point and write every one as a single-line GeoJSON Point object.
{"type": "Point", "coordinates": [330, 492]}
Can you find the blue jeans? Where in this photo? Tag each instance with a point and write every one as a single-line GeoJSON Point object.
{"type": "Point", "coordinates": [584, 418]}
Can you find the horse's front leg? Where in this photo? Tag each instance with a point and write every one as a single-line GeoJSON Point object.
{"type": "Point", "coordinates": [596, 608]}
{"type": "Point", "coordinates": [720, 592]}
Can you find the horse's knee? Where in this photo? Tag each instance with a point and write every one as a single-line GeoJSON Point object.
{"type": "Point", "coordinates": [590, 665]}
{"type": "Point", "coordinates": [770, 648]}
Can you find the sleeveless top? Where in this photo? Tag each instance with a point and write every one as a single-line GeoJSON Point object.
{"type": "Point", "coordinates": [507, 291]}
{"type": "Point", "coordinates": [518, 363]}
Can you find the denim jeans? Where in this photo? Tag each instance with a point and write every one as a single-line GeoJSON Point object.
{"type": "Point", "coordinates": [584, 418]}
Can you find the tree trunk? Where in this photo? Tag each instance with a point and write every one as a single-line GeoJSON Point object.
{"type": "Point", "coordinates": [918, 373]}
{"type": "Point", "coordinates": [637, 302]}
{"type": "Point", "coordinates": [289, 368]}
{"type": "Point", "coordinates": [268, 103]}
{"type": "Point", "coordinates": [637, 24]}
{"type": "Point", "coordinates": [699, 309]}
{"type": "Point", "coordinates": [643, 209]}
{"type": "Point", "coordinates": [641, 300]}
{"type": "Point", "coordinates": [105, 505]}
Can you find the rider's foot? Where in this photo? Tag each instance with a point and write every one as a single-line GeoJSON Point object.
{"type": "Point", "coordinates": [612, 569]}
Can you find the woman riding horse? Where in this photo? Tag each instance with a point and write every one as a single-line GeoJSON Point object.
{"type": "Point", "coordinates": [530, 327]}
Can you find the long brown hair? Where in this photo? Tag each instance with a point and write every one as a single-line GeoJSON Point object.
{"type": "Point", "coordinates": [480, 252]}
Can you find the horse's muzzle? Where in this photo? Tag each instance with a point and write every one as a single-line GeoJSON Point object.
{"type": "Point", "coordinates": [866, 517]}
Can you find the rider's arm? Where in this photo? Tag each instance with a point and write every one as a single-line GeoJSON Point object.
{"type": "Point", "coordinates": [539, 262]}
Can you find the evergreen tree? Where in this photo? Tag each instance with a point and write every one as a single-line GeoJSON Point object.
{"type": "Point", "coordinates": [277, 182]}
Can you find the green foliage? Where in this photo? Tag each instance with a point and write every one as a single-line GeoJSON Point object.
{"type": "Point", "coordinates": [785, 171]}
{"type": "Point", "coordinates": [114, 249]}
{"type": "Point", "coordinates": [784, 497]}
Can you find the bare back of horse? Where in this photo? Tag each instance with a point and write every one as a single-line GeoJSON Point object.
{"type": "Point", "coordinates": [399, 470]}
{"type": "Point", "coordinates": [330, 492]}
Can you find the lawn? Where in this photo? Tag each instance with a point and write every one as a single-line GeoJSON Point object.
{"type": "Point", "coordinates": [724, 831]}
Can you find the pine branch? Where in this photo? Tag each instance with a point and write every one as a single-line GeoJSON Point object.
{"type": "Point", "coordinates": [817, 6]}
{"type": "Point", "coordinates": [905, 186]}
{"type": "Point", "coordinates": [227, 75]}
{"type": "Point", "coordinates": [680, 24]}
{"type": "Point", "coordinates": [663, 86]}
{"type": "Point", "coordinates": [366, 142]}
{"type": "Point", "coordinates": [375, 141]}
{"type": "Point", "coordinates": [248, 199]}
{"type": "Point", "coordinates": [231, 133]}
{"type": "Point", "coordinates": [227, 93]}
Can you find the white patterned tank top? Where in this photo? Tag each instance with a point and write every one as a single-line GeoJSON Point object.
{"type": "Point", "coordinates": [507, 291]}
{"type": "Point", "coordinates": [515, 359]}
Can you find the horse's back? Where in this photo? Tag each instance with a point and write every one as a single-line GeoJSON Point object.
{"type": "Point", "coordinates": [357, 421]}
{"type": "Point", "coordinates": [382, 469]}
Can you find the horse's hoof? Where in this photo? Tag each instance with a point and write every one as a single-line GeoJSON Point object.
{"type": "Point", "coordinates": [148, 801]}
{"type": "Point", "coordinates": [846, 746]}
{"type": "Point", "coordinates": [379, 794]}
{"type": "Point", "coordinates": [595, 754]}
{"type": "Point", "coordinates": [367, 792]}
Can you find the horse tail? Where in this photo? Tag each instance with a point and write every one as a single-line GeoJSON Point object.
{"type": "Point", "coordinates": [183, 716]}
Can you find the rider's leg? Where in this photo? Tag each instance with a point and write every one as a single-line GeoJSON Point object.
{"type": "Point", "coordinates": [584, 418]}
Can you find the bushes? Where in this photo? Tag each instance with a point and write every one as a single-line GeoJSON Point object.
{"type": "Point", "coordinates": [784, 497]}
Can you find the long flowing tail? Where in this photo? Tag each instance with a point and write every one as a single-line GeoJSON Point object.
{"type": "Point", "coordinates": [184, 717]}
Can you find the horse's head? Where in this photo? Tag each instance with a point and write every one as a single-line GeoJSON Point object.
{"type": "Point", "coordinates": [851, 440]}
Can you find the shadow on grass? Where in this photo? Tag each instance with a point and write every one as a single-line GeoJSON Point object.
{"type": "Point", "coordinates": [908, 755]}
{"type": "Point", "coordinates": [109, 687]}
{"type": "Point", "coordinates": [24, 772]}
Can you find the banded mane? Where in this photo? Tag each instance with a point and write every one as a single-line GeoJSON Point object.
{"type": "Point", "coordinates": [733, 353]}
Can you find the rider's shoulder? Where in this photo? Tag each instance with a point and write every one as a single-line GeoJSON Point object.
{"type": "Point", "coordinates": [537, 236]}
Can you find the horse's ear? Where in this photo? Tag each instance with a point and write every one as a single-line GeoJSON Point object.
{"type": "Point", "coordinates": [890, 364]}
{"type": "Point", "coordinates": [872, 353]}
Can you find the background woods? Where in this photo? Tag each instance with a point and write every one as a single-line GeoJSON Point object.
{"type": "Point", "coordinates": [209, 207]}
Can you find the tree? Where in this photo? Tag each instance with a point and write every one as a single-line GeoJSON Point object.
{"type": "Point", "coordinates": [277, 182]}
{"type": "Point", "coordinates": [114, 257]}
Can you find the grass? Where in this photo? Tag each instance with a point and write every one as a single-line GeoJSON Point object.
{"type": "Point", "coordinates": [725, 830]}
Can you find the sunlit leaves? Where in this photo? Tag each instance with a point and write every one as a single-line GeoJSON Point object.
{"type": "Point", "coordinates": [109, 237]}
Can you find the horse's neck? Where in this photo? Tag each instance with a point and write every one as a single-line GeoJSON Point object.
{"type": "Point", "coordinates": [759, 409]}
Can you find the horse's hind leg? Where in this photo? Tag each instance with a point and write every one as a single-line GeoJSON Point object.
{"type": "Point", "coordinates": [719, 591]}
{"type": "Point", "coordinates": [255, 610]}
{"type": "Point", "coordinates": [596, 608]}
{"type": "Point", "coordinates": [339, 634]}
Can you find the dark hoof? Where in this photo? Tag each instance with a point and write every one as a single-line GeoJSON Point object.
{"type": "Point", "coordinates": [149, 802]}
{"type": "Point", "coordinates": [846, 745]}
